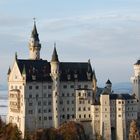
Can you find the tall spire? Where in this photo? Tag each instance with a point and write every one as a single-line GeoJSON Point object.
{"type": "Point", "coordinates": [34, 44]}
{"type": "Point", "coordinates": [54, 55]}
{"type": "Point", "coordinates": [34, 32]}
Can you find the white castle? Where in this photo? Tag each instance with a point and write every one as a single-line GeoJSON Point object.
{"type": "Point", "coordinates": [46, 94]}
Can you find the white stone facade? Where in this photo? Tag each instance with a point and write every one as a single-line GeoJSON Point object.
{"type": "Point", "coordinates": [46, 94]}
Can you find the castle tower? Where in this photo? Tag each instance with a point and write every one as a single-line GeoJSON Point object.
{"type": "Point", "coordinates": [136, 83]}
{"type": "Point", "coordinates": [55, 96]}
{"type": "Point", "coordinates": [108, 86]}
{"type": "Point", "coordinates": [34, 44]}
{"type": "Point", "coordinates": [105, 124]}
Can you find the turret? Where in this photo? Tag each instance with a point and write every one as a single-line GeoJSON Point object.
{"type": "Point", "coordinates": [136, 83]}
{"type": "Point", "coordinates": [56, 90]}
{"type": "Point", "coordinates": [55, 63]}
{"type": "Point", "coordinates": [108, 86]}
{"type": "Point", "coordinates": [34, 44]}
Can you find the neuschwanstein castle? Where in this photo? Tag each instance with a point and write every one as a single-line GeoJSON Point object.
{"type": "Point", "coordinates": [45, 94]}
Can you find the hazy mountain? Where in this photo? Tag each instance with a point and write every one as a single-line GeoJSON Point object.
{"type": "Point", "coordinates": [124, 87]}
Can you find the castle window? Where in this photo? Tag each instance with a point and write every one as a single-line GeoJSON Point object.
{"type": "Point", "coordinates": [49, 95]}
{"type": "Point", "coordinates": [49, 110]}
{"type": "Point", "coordinates": [105, 109]}
{"type": "Point", "coordinates": [50, 117]}
{"type": "Point", "coordinates": [89, 94]}
{"type": "Point", "coordinates": [132, 108]}
{"type": "Point", "coordinates": [88, 101]}
{"type": "Point", "coordinates": [67, 109]}
{"type": "Point", "coordinates": [45, 118]}
{"type": "Point", "coordinates": [89, 115]}
{"type": "Point", "coordinates": [49, 87]}
{"type": "Point", "coordinates": [30, 87]}
{"type": "Point", "coordinates": [72, 102]}
{"type": "Point", "coordinates": [72, 115]}
{"type": "Point", "coordinates": [79, 86]}
{"type": "Point", "coordinates": [86, 86]}
{"type": "Point", "coordinates": [45, 111]}
{"type": "Point", "coordinates": [39, 110]}
{"type": "Point", "coordinates": [79, 109]}
{"type": "Point", "coordinates": [63, 109]}
{"type": "Point", "coordinates": [49, 103]}
{"type": "Point", "coordinates": [63, 95]}
{"type": "Point", "coordinates": [68, 102]}
{"type": "Point", "coordinates": [30, 104]}
{"type": "Point", "coordinates": [30, 111]}
{"type": "Point", "coordinates": [61, 102]}
{"type": "Point", "coordinates": [119, 109]}
{"type": "Point", "coordinates": [80, 102]}
{"type": "Point", "coordinates": [79, 94]}
{"type": "Point", "coordinates": [72, 109]}
{"type": "Point", "coordinates": [20, 87]}
{"type": "Point", "coordinates": [30, 96]}
{"type": "Point", "coordinates": [39, 118]}
{"type": "Point", "coordinates": [64, 86]}
{"type": "Point", "coordinates": [39, 103]}
{"type": "Point", "coordinates": [68, 116]}
{"type": "Point", "coordinates": [119, 115]}
{"type": "Point", "coordinates": [72, 86]}
{"type": "Point", "coordinates": [79, 116]}
{"type": "Point", "coordinates": [88, 108]}
{"type": "Point", "coordinates": [68, 94]}
{"type": "Point", "coordinates": [131, 101]}
{"type": "Point", "coordinates": [63, 116]}
{"type": "Point", "coordinates": [128, 102]}
{"type": "Point", "coordinates": [72, 94]}
{"type": "Point", "coordinates": [11, 87]}
{"type": "Point", "coordinates": [84, 115]}
{"type": "Point", "coordinates": [36, 95]}
{"type": "Point", "coordinates": [119, 102]}
{"type": "Point", "coordinates": [37, 87]}
{"type": "Point", "coordinates": [84, 109]}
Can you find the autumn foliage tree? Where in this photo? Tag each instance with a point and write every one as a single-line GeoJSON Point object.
{"type": "Point", "coordinates": [134, 133]}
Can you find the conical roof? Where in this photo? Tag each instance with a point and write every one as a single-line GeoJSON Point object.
{"type": "Point", "coordinates": [108, 82]}
{"type": "Point", "coordinates": [35, 33]}
{"type": "Point", "coordinates": [54, 55]}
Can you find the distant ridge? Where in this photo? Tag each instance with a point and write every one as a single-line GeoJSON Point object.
{"type": "Point", "coordinates": [123, 87]}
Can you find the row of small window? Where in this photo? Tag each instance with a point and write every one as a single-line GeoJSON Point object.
{"type": "Point", "coordinates": [49, 110]}
{"type": "Point", "coordinates": [16, 87]}
{"type": "Point", "coordinates": [83, 109]}
{"type": "Point", "coordinates": [84, 101]}
{"type": "Point", "coordinates": [84, 94]}
{"type": "Point", "coordinates": [50, 103]}
{"type": "Point", "coordinates": [50, 95]}
{"type": "Point", "coordinates": [37, 87]}
{"type": "Point", "coordinates": [79, 86]}
{"type": "Point", "coordinates": [84, 116]}
{"type": "Point", "coordinates": [122, 102]}
{"type": "Point", "coordinates": [68, 116]}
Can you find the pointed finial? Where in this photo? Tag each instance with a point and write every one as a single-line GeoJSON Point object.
{"type": "Point", "coordinates": [24, 70]}
{"type": "Point", "coordinates": [9, 70]}
{"type": "Point", "coordinates": [54, 55]}
{"type": "Point", "coordinates": [54, 44]}
{"type": "Point", "coordinates": [89, 61]}
{"type": "Point", "coordinates": [108, 82]}
{"type": "Point", "coordinates": [34, 20]}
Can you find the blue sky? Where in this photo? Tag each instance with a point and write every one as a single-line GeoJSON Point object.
{"type": "Point", "coordinates": [105, 31]}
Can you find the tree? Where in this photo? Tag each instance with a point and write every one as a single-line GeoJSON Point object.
{"type": "Point", "coordinates": [134, 133]}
